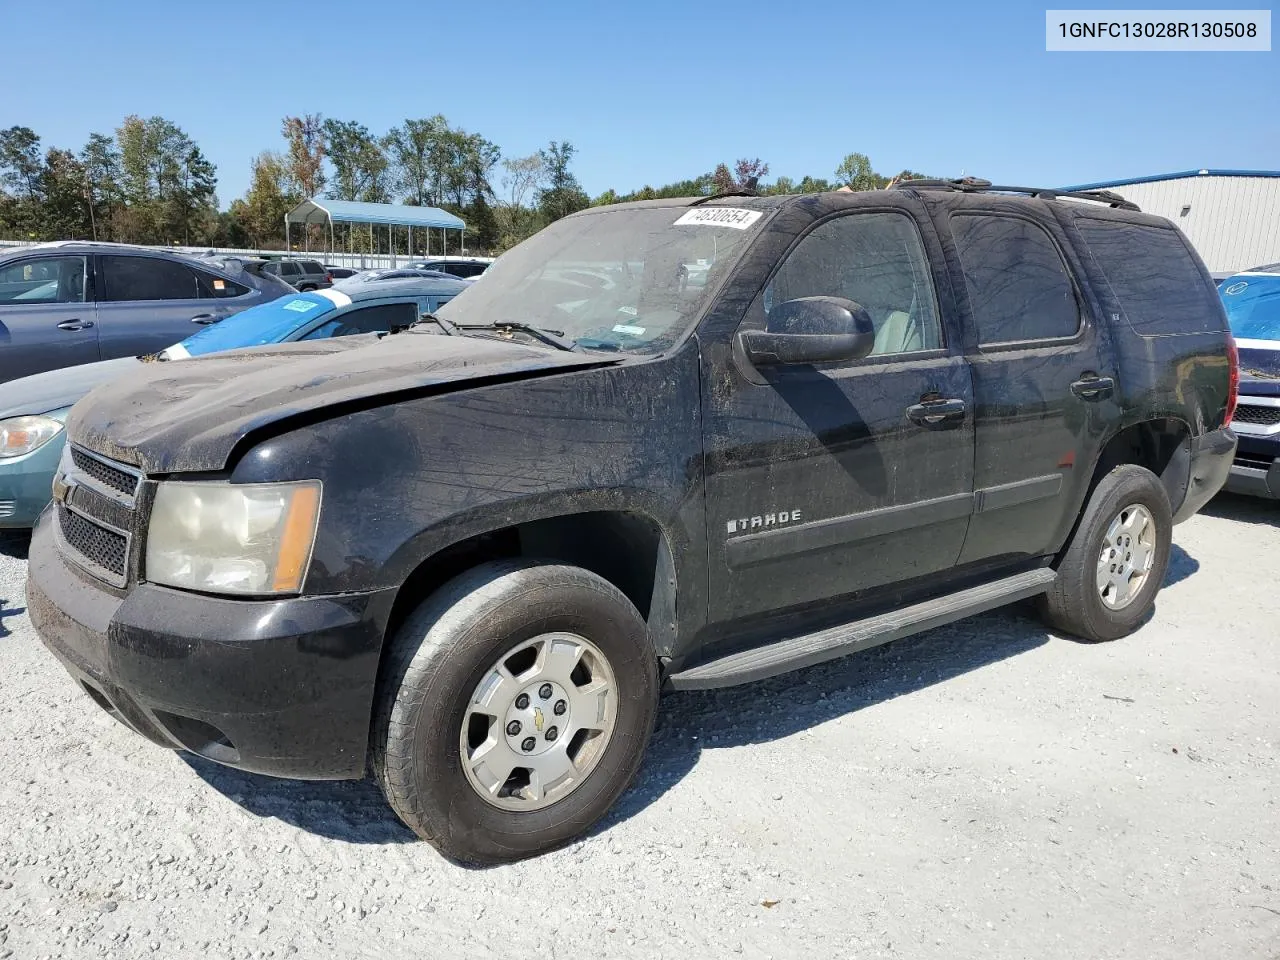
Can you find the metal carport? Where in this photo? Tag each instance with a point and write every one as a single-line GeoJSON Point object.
{"type": "Point", "coordinates": [391, 215]}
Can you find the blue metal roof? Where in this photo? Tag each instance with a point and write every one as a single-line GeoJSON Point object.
{"type": "Point", "coordinates": [347, 211]}
{"type": "Point", "coordinates": [1107, 184]}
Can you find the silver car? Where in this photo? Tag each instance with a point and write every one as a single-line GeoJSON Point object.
{"type": "Point", "coordinates": [64, 304]}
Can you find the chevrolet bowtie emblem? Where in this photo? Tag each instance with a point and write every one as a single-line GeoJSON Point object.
{"type": "Point", "coordinates": [537, 719]}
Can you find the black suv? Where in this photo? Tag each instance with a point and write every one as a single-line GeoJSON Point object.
{"type": "Point", "coordinates": [673, 443]}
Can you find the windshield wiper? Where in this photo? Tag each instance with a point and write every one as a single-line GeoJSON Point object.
{"type": "Point", "coordinates": [440, 322]}
{"type": "Point", "coordinates": [553, 337]}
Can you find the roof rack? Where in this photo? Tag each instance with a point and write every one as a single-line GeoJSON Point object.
{"type": "Point", "coordinates": [978, 185]}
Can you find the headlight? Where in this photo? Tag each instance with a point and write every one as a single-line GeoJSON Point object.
{"type": "Point", "coordinates": [22, 435]}
{"type": "Point", "coordinates": [232, 538]}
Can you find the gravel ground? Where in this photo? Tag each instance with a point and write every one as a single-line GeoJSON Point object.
{"type": "Point", "coordinates": [988, 789]}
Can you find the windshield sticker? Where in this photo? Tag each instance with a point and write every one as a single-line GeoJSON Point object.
{"type": "Point", "coordinates": [1236, 288]}
{"type": "Point", "coordinates": [734, 217]}
{"type": "Point", "coordinates": [629, 330]}
{"type": "Point", "coordinates": [300, 306]}
{"type": "Point", "coordinates": [629, 311]}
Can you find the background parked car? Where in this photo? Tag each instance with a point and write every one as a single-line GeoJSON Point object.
{"type": "Point", "coordinates": [340, 273]}
{"type": "Point", "coordinates": [33, 409]}
{"type": "Point", "coordinates": [300, 274]}
{"type": "Point", "coordinates": [1252, 300]}
{"type": "Point", "coordinates": [457, 266]}
{"type": "Point", "coordinates": [63, 304]}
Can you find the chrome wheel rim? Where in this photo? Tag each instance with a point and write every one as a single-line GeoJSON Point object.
{"type": "Point", "coordinates": [538, 722]}
{"type": "Point", "coordinates": [1128, 551]}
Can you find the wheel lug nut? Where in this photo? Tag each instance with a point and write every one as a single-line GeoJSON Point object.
{"type": "Point", "coordinates": [560, 708]}
{"type": "Point", "coordinates": [545, 691]}
{"type": "Point", "coordinates": [528, 744]}
{"type": "Point", "coordinates": [513, 728]}
{"type": "Point", "coordinates": [552, 733]}
{"type": "Point", "coordinates": [522, 701]}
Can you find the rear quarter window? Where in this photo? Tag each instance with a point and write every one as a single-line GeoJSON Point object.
{"type": "Point", "coordinates": [1154, 277]}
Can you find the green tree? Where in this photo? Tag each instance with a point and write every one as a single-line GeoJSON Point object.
{"type": "Point", "coordinates": [814, 185]}
{"type": "Point", "coordinates": [562, 194]}
{"type": "Point", "coordinates": [166, 181]}
{"type": "Point", "coordinates": [269, 197]}
{"type": "Point", "coordinates": [359, 163]}
{"type": "Point", "coordinates": [855, 173]}
{"type": "Point", "coordinates": [304, 161]}
{"type": "Point", "coordinates": [414, 150]}
{"type": "Point", "coordinates": [101, 162]}
{"type": "Point", "coordinates": [20, 163]}
{"type": "Point", "coordinates": [524, 178]}
{"type": "Point", "coordinates": [64, 189]}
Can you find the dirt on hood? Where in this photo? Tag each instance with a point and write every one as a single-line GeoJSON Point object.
{"type": "Point", "coordinates": [189, 416]}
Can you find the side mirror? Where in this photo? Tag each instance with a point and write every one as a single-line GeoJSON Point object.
{"type": "Point", "coordinates": [812, 330]}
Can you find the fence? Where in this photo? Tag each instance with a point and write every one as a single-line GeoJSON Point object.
{"type": "Point", "coordinates": [354, 261]}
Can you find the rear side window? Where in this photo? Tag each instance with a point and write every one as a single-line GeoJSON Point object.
{"type": "Point", "coordinates": [1153, 276]}
{"type": "Point", "coordinates": [290, 269]}
{"type": "Point", "coordinates": [1019, 287]}
{"type": "Point", "coordinates": [219, 288]}
{"type": "Point", "coordinates": [311, 266]}
{"type": "Point", "coordinates": [147, 278]}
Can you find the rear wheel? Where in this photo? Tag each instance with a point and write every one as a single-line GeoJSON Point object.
{"type": "Point", "coordinates": [1116, 560]}
{"type": "Point", "coordinates": [516, 706]}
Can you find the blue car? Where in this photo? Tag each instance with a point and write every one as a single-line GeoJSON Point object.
{"type": "Point", "coordinates": [1252, 300]}
{"type": "Point", "coordinates": [33, 409]}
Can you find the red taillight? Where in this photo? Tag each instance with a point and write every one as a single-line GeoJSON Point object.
{"type": "Point", "coordinates": [328, 278]}
{"type": "Point", "coordinates": [1233, 379]}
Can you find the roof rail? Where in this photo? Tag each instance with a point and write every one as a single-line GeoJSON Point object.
{"type": "Point", "coordinates": [978, 185]}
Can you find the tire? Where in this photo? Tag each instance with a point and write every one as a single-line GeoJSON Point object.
{"type": "Point", "coordinates": [306, 288]}
{"type": "Point", "coordinates": [430, 684]}
{"type": "Point", "coordinates": [1076, 604]}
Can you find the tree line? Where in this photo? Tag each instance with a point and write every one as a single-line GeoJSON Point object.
{"type": "Point", "coordinates": [150, 183]}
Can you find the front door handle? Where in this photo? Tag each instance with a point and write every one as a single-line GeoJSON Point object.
{"type": "Point", "coordinates": [1093, 388]}
{"type": "Point", "coordinates": [205, 318]}
{"type": "Point", "coordinates": [75, 325]}
{"type": "Point", "coordinates": [930, 413]}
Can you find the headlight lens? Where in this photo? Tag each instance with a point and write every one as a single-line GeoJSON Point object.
{"type": "Point", "coordinates": [23, 435]}
{"type": "Point", "coordinates": [232, 538]}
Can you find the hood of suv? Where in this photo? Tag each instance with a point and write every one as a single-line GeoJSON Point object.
{"type": "Point", "coordinates": [189, 416]}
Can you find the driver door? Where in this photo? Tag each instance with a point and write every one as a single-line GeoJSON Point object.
{"type": "Point", "coordinates": [823, 480]}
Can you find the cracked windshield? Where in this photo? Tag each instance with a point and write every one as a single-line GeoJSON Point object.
{"type": "Point", "coordinates": [624, 280]}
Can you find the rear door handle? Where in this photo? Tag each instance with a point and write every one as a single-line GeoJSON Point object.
{"type": "Point", "coordinates": [930, 413]}
{"type": "Point", "coordinates": [75, 325]}
{"type": "Point", "coordinates": [1093, 388]}
{"type": "Point", "coordinates": [203, 318]}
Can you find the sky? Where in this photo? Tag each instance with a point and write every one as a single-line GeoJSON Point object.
{"type": "Point", "coordinates": [652, 93]}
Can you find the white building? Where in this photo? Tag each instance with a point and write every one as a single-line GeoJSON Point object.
{"type": "Point", "coordinates": [1231, 216]}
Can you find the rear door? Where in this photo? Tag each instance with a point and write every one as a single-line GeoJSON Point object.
{"type": "Point", "coordinates": [47, 314]}
{"type": "Point", "coordinates": [1043, 378]}
{"type": "Point", "coordinates": [146, 304]}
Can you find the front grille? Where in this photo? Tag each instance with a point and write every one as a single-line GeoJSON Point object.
{"type": "Point", "coordinates": [117, 479]}
{"type": "Point", "coordinates": [1254, 460]}
{"type": "Point", "coordinates": [1262, 416]}
{"type": "Point", "coordinates": [103, 548]}
{"type": "Point", "coordinates": [7, 509]}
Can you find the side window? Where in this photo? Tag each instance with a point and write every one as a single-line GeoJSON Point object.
{"type": "Point", "coordinates": [1153, 276]}
{"type": "Point", "coordinates": [875, 259]}
{"type": "Point", "coordinates": [380, 319]}
{"type": "Point", "coordinates": [290, 269]}
{"type": "Point", "coordinates": [44, 280]}
{"type": "Point", "coordinates": [312, 266]}
{"type": "Point", "coordinates": [147, 278]}
{"type": "Point", "coordinates": [219, 288]}
{"type": "Point", "coordinates": [1019, 287]}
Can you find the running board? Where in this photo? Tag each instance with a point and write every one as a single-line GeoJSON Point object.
{"type": "Point", "coordinates": [808, 649]}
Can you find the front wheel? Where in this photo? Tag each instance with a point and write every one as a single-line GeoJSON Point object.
{"type": "Point", "coordinates": [514, 709]}
{"type": "Point", "coordinates": [1116, 560]}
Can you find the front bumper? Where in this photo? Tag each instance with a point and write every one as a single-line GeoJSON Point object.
{"type": "Point", "coordinates": [1210, 464]}
{"type": "Point", "coordinates": [282, 687]}
{"type": "Point", "coordinates": [26, 482]}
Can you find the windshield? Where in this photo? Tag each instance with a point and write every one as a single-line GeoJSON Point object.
{"type": "Point", "coordinates": [1253, 306]}
{"type": "Point", "coordinates": [628, 279]}
{"type": "Point", "coordinates": [270, 322]}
